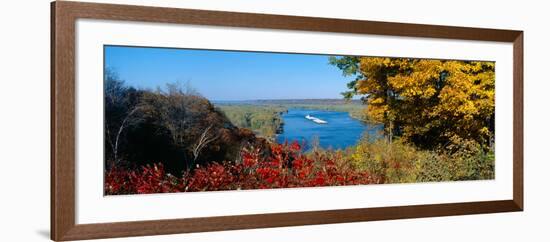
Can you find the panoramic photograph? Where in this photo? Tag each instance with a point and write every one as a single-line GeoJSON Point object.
{"type": "Point", "coordinates": [192, 120]}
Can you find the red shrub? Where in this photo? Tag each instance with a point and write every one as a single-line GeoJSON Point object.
{"type": "Point", "coordinates": [285, 166]}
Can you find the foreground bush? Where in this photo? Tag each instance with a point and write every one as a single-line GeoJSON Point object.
{"type": "Point", "coordinates": [284, 166]}
{"type": "Point", "coordinates": [391, 162]}
{"type": "Point", "coordinates": [399, 162]}
{"type": "Point", "coordinates": [468, 162]}
{"type": "Point", "coordinates": [287, 165]}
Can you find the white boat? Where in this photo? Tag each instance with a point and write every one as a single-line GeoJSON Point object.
{"type": "Point", "coordinates": [316, 120]}
{"type": "Point", "coordinates": [319, 121]}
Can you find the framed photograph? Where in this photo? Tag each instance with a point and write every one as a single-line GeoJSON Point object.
{"type": "Point", "coordinates": [172, 120]}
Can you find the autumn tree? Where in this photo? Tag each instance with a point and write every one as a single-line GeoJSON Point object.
{"type": "Point", "coordinates": [191, 120]}
{"type": "Point", "coordinates": [173, 125]}
{"type": "Point", "coordinates": [428, 102]}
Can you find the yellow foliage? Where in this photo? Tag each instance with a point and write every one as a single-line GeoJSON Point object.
{"type": "Point", "coordinates": [417, 97]}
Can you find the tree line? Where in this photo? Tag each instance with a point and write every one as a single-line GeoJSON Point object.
{"type": "Point", "coordinates": [174, 125]}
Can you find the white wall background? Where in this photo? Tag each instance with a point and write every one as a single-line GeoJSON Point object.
{"type": "Point", "coordinates": [24, 120]}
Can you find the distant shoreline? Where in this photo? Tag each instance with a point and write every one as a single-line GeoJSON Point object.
{"type": "Point", "coordinates": [327, 101]}
{"type": "Point", "coordinates": [355, 108]}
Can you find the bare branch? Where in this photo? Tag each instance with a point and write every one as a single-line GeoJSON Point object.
{"type": "Point", "coordinates": [123, 125]}
{"type": "Point", "coordinates": [205, 138]}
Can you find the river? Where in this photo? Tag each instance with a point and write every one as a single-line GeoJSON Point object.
{"type": "Point", "coordinates": [339, 132]}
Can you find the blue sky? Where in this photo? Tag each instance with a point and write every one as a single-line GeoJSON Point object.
{"type": "Point", "coordinates": [229, 75]}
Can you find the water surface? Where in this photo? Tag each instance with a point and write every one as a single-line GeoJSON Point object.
{"type": "Point", "coordinates": [340, 132]}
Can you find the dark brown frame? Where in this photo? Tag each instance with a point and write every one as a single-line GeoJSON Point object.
{"type": "Point", "coordinates": [63, 17]}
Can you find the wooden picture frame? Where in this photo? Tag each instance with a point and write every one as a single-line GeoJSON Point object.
{"type": "Point", "coordinates": [63, 17]}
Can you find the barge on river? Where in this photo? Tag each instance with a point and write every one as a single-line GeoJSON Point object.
{"type": "Point", "coordinates": [316, 120]}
